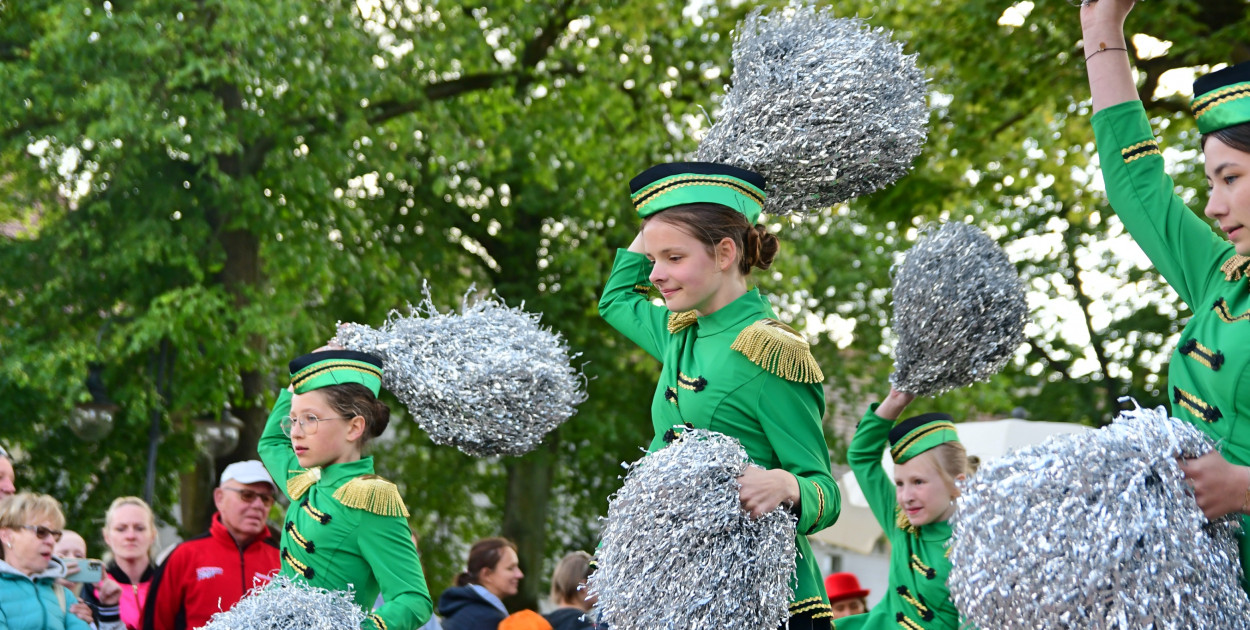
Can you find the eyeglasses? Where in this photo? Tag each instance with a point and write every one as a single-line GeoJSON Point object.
{"type": "Point", "coordinates": [43, 532]}
{"type": "Point", "coordinates": [251, 495]}
{"type": "Point", "coordinates": [307, 423]}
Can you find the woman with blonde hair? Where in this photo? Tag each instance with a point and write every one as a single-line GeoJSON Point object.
{"type": "Point", "coordinates": [568, 593]}
{"type": "Point", "coordinates": [130, 533]}
{"type": "Point", "coordinates": [30, 599]}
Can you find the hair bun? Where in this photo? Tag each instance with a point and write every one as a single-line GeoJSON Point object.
{"type": "Point", "coordinates": [759, 248]}
{"type": "Point", "coordinates": [381, 417]}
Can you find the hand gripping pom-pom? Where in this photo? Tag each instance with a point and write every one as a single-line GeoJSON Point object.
{"type": "Point", "coordinates": [678, 550]}
{"type": "Point", "coordinates": [1099, 531]}
{"type": "Point", "coordinates": [824, 108]}
{"type": "Point", "coordinates": [286, 604]}
{"type": "Point", "coordinates": [959, 311]}
{"type": "Point", "coordinates": [488, 380]}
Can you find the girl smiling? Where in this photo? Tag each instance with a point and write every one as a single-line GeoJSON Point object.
{"type": "Point", "coordinates": [913, 510]}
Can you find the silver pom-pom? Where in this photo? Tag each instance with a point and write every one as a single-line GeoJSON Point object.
{"type": "Point", "coordinates": [286, 604]}
{"type": "Point", "coordinates": [1096, 530]}
{"type": "Point", "coordinates": [678, 550]}
{"type": "Point", "coordinates": [824, 108]}
{"type": "Point", "coordinates": [959, 311]}
{"type": "Point", "coordinates": [488, 380]}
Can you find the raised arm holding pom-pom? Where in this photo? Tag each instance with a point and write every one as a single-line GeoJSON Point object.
{"type": "Point", "coordinates": [728, 365]}
{"type": "Point", "coordinates": [1207, 384]}
{"type": "Point", "coordinates": [914, 509]}
{"type": "Point", "coordinates": [346, 528]}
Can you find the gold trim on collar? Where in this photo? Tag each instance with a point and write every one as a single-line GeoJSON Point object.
{"type": "Point", "coordinates": [679, 321]}
{"type": "Point", "coordinates": [1235, 268]}
{"type": "Point", "coordinates": [296, 486]}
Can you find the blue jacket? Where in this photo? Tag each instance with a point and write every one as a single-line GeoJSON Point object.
{"type": "Point", "coordinates": [463, 608]}
{"type": "Point", "coordinates": [31, 603]}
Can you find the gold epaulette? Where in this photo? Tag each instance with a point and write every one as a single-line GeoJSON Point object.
{"type": "Point", "coordinates": [779, 349]}
{"type": "Point", "coordinates": [372, 494]}
{"type": "Point", "coordinates": [296, 486]}
{"type": "Point", "coordinates": [903, 523]}
{"type": "Point", "coordinates": [678, 321]}
{"type": "Point", "coordinates": [1234, 268]}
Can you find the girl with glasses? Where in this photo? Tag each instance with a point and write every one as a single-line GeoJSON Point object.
{"type": "Point", "coordinates": [345, 525]}
{"type": "Point", "coordinates": [30, 598]}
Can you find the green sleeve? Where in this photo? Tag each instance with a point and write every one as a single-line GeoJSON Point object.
{"type": "Point", "coordinates": [275, 448]}
{"type": "Point", "coordinates": [1181, 245]}
{"type": "Point", "coordinates": [386, 544]}
{"type": "Point", "coordinates": [790, 415]}
{"type": "Point", "coordinates": [864, 456]}
{"type": "Point", "coordinates": [625, 306]}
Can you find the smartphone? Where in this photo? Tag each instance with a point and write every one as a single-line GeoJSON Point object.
{"type": "Point", "coordinates": [89, 571]}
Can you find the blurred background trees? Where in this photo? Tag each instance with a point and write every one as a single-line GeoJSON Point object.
{"type": "Point", "coordinates": [193, 193]}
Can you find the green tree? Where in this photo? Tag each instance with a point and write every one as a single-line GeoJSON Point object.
{"type": "Point", "coordinates": [221, 182]}
{"type": "Point", "coordinates": [224, 180]}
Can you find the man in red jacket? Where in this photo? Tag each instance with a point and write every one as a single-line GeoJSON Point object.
{"type": "Point", "coordinates": [211, 573]}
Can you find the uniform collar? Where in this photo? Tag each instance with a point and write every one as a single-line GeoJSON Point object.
{"type": "Point", "coordinates": [335, 475]}
{"type": "Point", "coordinates": [749, 307]}
{"type": "Point", "coordinates": [936, 532]}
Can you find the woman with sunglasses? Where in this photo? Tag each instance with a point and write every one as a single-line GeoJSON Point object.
{"type": "Point", "coordinates": [30, 598]}
{"type": "Point", "coordinates": [345, 526]}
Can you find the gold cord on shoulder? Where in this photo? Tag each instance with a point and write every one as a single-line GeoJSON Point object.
{"type": "Point", "coordinates": [296, 486]}
{"type": "Point", "coordinates": [372, 494]}
{"type": "Point", "coordinates": [1235, 268]}
{"type": "Point", "coordinates": [678, 321]}
{"type": "Point", "coordinates": [900, 520]}
{"type": "Point", "coordinates": [779, 349]}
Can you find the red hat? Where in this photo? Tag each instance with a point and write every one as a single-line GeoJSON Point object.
{"type": "Point", "coordinates": [842, 586]}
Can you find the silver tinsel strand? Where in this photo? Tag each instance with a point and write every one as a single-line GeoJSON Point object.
{"type": "Point", "coordinates": [286, 604]}
{"type": "Point", "coordinates": [1096, 531]}
{"type": "Point", "coordinates": [959, 311]}
{"type": "Point", "coordinates": [679, 552]}
{"type": "Point", "coordinates": [488, 380]}
{"type": "Point", "coordinates": [825, 108]}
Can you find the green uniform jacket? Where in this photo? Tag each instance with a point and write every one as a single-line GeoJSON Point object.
{"type": "Point", "coordinates": [917, 597]}
{"type": "Point", "coordinates": [710, 386]}
{"type": "Point", "coordinates": [1208, 379]}
{"type": "Point", "coordinates": [330, 545]}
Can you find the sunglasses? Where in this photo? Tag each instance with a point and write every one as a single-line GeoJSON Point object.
{"type": "Point", "coordinates": [251, 495]}
{"type": "Point", "coordinates": [44, 532]}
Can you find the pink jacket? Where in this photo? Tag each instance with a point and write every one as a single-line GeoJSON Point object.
{"type": "Point", "coordinates": [133, 595]}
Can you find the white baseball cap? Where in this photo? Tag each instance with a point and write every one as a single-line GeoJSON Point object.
{"type": "Point", "coordinates": [245, 472]}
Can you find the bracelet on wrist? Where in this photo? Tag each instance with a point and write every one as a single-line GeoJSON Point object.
{"type": "Point", "coordinates": [1103, 47]}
